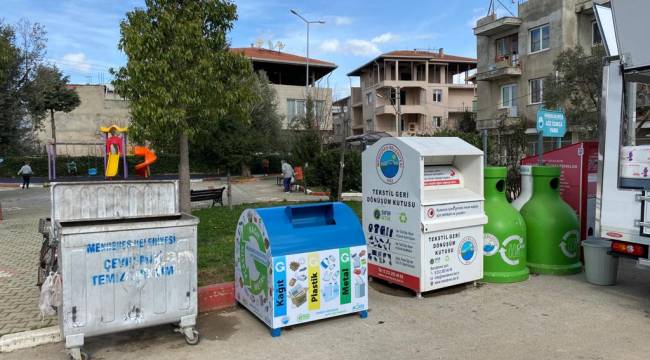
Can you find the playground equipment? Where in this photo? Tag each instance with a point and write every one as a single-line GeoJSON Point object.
{"type": "Point", "coordinates": [115, 148]}
{"type": "Point", "coordinates": [142, 169]}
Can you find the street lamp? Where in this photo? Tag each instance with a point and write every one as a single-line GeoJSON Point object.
{"type": "Point", "coordinates": [307, 22]}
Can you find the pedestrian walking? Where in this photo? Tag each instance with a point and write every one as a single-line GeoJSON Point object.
{"type": "Point", "coordinates": [287, 175]}
{"type": "Point", "coordinates": [26, 172]}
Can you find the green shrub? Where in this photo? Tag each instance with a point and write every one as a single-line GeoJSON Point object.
{"type": "Point", "coordinates": [324, 171]}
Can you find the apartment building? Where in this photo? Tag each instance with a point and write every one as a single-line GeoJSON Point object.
{"type": "Point", "coordinates": [428, 87]}
{"type": "Point", "coordinates": [287, 74]}
{"type": "Point", "coordinates": [516, 53]}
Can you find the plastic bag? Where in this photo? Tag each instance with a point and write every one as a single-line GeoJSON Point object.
{"type": "Point", "coordinates": [50, 297]}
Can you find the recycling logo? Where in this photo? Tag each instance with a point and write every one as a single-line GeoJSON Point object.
{"type": "Point", "coordinates": [252, 255]}
{"type": "Point", "coordinates": [569, 244]}
{"type": "Point", "coordinates": [511, 250]}
{"type": "Point", "coordinates": [403, 218]}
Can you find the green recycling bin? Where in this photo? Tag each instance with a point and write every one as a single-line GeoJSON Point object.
{"type": "Point", "coordinates": [504, 245]}
{"type": "Point", "coordinates": [551, 226]}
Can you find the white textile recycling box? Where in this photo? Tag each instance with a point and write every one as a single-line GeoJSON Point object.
{"type": "Point", "coordinates": [127, 258]}
{"type": "Point", "coordinates": [423, 211]}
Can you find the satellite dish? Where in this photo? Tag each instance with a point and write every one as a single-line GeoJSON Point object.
{"type": "Point", "coordinates": [259, 43]}
{"type": "Point", "coordinates": [279, 45]}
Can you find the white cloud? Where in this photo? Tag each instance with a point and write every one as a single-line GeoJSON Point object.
{"type": "Point", "coordinates": [342, 20]}
{"type": "Point", "coordinates": [361, 47]}
{"type": "Point", "coordinates": [77, 61]}
{"type": "Point", "coordinates": [330, 46]}
{"type": "Point", "coordinates": [384, 38]}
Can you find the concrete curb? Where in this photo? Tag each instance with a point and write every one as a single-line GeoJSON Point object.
{"type": "Point", "coordinates": [216, 296]}
{"type": "Point", "coordinates": [31, 338]}
{"type": "Point", "coordinates": [210, 298]}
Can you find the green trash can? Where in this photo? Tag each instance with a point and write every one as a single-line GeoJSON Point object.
{"type": "Point", "coordinates": [504, 246]}
{"type": "Point", "coordinates": [552, 230]}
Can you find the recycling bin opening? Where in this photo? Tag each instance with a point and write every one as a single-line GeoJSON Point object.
{"type": "Point", "coordinates": [300, 263]}
{"type": "Point", "coordinates": [423, 211]}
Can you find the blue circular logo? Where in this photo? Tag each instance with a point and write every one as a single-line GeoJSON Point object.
{"type": "Point", "coordinates": [467, 250]}
{"type": "Point", "coordinates": [390, 163]}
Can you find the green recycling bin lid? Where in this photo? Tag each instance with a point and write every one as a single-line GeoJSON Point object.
{"type": "Point", "coordinates": [495, 172]}
{"type": "Point", "coordinates": [546, 171]}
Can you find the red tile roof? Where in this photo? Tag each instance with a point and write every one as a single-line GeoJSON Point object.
{"type": "Point", "coordinates": [428, 54]}
{"type": "Point", "coordinates": [262, 54]}
{"type": "Point", "coordinates": [417, 54]}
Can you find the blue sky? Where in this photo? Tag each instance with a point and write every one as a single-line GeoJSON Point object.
{"type": "Point", "coordinates": [83, 34]}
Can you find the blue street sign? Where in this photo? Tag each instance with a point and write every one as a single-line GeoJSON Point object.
{"type": "Point", "coordinates": [551, 123]}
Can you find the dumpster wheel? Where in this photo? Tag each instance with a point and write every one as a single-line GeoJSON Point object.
{"type": "Point", "coordinates": [191, 336]}
{"type": "Point", "coordinates": [79, 354]}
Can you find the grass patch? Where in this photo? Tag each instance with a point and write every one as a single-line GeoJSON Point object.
{"type": "Point", "coordinates": [216, 240]}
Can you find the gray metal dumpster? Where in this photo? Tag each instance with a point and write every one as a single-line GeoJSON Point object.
{"type": "Point", "coordinates": [127, 258]}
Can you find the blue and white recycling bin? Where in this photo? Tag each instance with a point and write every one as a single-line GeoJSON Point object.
{"type": "Point", "coordinates": [295, 264]}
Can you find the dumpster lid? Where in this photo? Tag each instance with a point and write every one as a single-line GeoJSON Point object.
{"type": "Point", "coordinates": [312, 227]}
{"type": "Point", "coordinates": [440, 146]}
{"type": "Point", "coordinates": [78, 201]}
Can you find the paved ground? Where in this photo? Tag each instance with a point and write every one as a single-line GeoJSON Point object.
{"type": "Point", "coordinates": [20, 243]}
{"type": "Point", "coordinates": [545, 317]}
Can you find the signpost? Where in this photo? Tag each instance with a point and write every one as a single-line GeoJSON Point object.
{"type": "Point", "coordinates": [550, 123]}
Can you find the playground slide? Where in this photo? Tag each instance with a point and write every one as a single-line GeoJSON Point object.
{"type": "Point", "coordinates": [112, 164]}
{"type": "Point", "coordinates": [150, 157]}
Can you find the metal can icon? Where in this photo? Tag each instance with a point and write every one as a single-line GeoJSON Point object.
{"type": "Point", "coordinates": [325, 263]}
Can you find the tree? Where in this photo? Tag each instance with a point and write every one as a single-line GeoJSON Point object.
{"type": "Point", "coordinates": [22, 48]}
{"type": "Point", "coordinates": [307, 141]}
{"type": "Point", "coordinates": [51, 93]}
{"type": "Point", "coordinates": [241, 141]}
{"type": "Point", "coordinates": [576, 87]}
{"type": "Point", "coordinates": [468, 122]}
{"type": "Point", "coordinates": [180, 77]}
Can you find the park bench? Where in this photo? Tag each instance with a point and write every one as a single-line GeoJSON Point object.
{"type": "Point", "coordinates": [216, 195]}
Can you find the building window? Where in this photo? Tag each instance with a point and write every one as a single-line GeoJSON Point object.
{"type": "Point", "coordinates": [369, 98]}
{"type": "Point", "coordinates": [506, 46]}
{"type": "Point", "coordinates": [540, 38]}
{"type": "Point", "coordinates": [595, 34]}
{"type": "Point", "coordinates": [536, 91]}
{"type": "Point", "coordinates": [508, 96]}
{"type": "Point", "coordinates": [297, 108]}
{"type": "Point", "coordinates": [437, 121]}
{"type": "Point", "coordinates": [437, 95]}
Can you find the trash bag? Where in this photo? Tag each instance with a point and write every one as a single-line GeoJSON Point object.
{"type": "Point", "coordinates": [51, 295]}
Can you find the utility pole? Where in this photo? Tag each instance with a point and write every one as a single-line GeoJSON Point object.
{"type": "Point", "coordinates": [346, 121]}
{"type": "Point", "coordinates": [398, 96]}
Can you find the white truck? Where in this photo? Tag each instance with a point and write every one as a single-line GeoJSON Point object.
{"type": "Point", "coordinates": [623, 193]}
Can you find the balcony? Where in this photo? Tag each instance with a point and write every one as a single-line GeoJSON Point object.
{"type": "Point", "coordinates": [356, 96]}
{"type": "Point", "coordinates": [503, 117]}
{"type": "Point", "coordinates": [406, 109]}
{"type": "Point", "coordinates": [503, 67]}
{"type": "Point", "coordinates": [490, 25]}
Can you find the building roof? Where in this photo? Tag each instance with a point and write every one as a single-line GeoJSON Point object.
{"type": "Point", "coordinates": [261, 54]}
{"type": "Point", "coordinates": [437, 56]}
